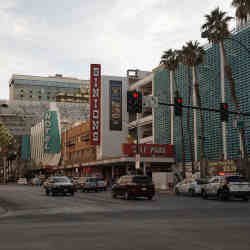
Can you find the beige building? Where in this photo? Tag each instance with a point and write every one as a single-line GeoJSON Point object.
{"type": "Point", "coordinates": [50, 89]}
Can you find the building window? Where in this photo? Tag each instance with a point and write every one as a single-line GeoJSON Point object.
{"type": "Point", "coordinates": [48, 93]}
{"type": "Point", "coordinates": [48, 97]}
{"type": "Point", "coordinates": [21, 90]}
{"type": "Point", "coordinates": [30, 96]}
{"type": "Point", "coordinates": [30, 91]}
{"type": "Point", "coordinates": [21, 96]}
{"type": "Point", "coordinates": [39, 97]}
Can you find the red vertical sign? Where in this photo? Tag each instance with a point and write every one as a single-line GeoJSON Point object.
{"type": "Point", "coordinates": [95, 104]}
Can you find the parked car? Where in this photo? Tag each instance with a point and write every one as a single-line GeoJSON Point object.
{"type": "Point", "coordinates": [101, 185]}
{"type": "Point", "coordinates": [88, 184]}
{"type": "Point", "coordinates": [133, 186]}
{"type": "Point", "coordinates": [224, 188]}
{"type": "Point", "coordinates": [190, 187]}
{"type": "Point", "coordinates": [59, 184]}
{"type": "Point", "coordinates": [22, 181]}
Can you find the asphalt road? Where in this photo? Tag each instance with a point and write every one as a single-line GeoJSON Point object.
{"type": "Point", "coordinates": [96, 221]}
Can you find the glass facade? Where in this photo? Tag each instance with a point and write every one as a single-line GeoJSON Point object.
{"type": "Point", "coordinates": [210, 91]}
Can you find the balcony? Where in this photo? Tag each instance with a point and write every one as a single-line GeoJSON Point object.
{"type": "Point", "coordinates": [142, 121]}
{"type": "Point", "coordinates": [148, 139]}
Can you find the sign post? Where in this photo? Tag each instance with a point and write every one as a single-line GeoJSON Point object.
{"type": "Point", "coordinates": [137, 161]}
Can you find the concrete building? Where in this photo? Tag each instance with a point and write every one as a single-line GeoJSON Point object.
{"type": "Point", "coordinates": [49, 89]}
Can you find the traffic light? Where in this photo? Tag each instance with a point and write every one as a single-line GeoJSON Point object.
{"type": "Point", "coordinates": [224, 112]}
{"type": "Point", "coordinates": [178, 106]}
{"type": "Point", "coordinates": [134, 101]}
{"type": "Point", "coordinates": [139, 102]}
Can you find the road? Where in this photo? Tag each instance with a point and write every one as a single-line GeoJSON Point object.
{"type": "Point", "coordinates": [96, 221]}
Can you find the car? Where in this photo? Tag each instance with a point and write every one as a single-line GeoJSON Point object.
{"type": "Point", "coordinates": [190, 187]}
{"type": "Point", "coordinates": [181, 187]}
{"type": "Point", "coordinates": [133, 186]}
{"type": "Point", "coordinates": [22, 181]}
{"type": "Point", "coordinates": [59, 184]}
{"type": "Point", "coordinates": [226, 187]}
{"type": "Point", "coordinates": [88, 184]}
{"type": "Point", "coordinates": [101, 185]}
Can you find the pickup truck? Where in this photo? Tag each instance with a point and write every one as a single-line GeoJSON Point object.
{"type": "Point", "coordinates": [226, 187]}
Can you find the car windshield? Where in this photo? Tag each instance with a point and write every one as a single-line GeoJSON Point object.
{"type": "Point", "coordinates": [202, 181]}
{"type": "Point", "coordinates": [61, 179]}
{"type": "Point", "coordinates": [236, 179]}
{"type": "Point", "coordinates": [142, 179]}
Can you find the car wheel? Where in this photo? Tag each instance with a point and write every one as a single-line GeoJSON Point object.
{"type": "Point", "coordinates": [72, 193]}
{"type": "Point", "coordinates": [96, 190]}
{"type": "Point", "coordinates": [53, 193]}
{"type": "Point", "coordinates": [47, 192]}
{"type": "Point", "coordinates": [177, 192]}
{"type": "Point", "coordinates": [204, 194]}
{"type": "Point", "coordinates": [191, 192]}
{"type": "Point", "coordinates": [150, 198]}
{"type": "Point", "coordinates": [221, 196]}
{"type": "Point", "coordinates": [114, 195]}
{"type": "Point", "coordinates": [245, 198]}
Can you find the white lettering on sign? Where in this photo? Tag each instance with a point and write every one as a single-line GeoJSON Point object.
{"type": "Point", "coordinates": [95, 86]}
{"type": "Point", "coordinates": [95, 125]}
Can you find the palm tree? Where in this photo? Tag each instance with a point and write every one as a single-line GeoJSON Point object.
{"type": "Point", "coordinates": [216, 30]}
{"type": "Point", "coordinates": [171, 60]}
{"type": "Point", "coordinates": [192, 55]}
{"type": "Point", "coordinates": [242, 10]}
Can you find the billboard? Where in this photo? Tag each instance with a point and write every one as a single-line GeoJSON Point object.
{"type": "Point", "coordinates": [95, 104]}
{"type": "Point", "coordinates": [115, 94]}
{"type": "Point", "coordinates": [52, 140]}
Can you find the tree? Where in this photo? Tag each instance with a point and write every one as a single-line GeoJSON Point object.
{"type": "Point", "coordinates": [192, 55]}
{"type": "Point", "coordinates": [242, 9]}
{"type": "Point", "coordinates": [171, 60]}
{"type": "Point", "coordinates": [5, 137]}
{"type": "Point", "coordinates": [216, 30]}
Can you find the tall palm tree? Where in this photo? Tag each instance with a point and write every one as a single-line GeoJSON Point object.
{"type": "Point", "coordinates": [242, 9]}
{"type": "Point", "coordinates": [171, 60]}
{"type": "Point", "coordinates": [192, 55]}
{"type": "Point", "coordinates": [216, 30]}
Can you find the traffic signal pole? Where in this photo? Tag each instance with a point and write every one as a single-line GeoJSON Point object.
{"type": "Point", "coordinates": [206, 109]}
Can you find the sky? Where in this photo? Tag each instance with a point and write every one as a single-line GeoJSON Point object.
{"type": "Point", "coordinates": [47, 37]}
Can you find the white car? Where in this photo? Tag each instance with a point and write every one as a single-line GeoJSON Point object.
{"type": "Point", "coordinates": [225, 187]}
{"type": "Point", "coordinates": [22, 181]}
{"type": "Point", "coordinates": [190, 187]}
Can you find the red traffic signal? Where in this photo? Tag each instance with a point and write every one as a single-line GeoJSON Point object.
{"type": "Point", "coordinates": [135, 95]}
{"type": "Point", "coordinates": [179, 100]}
{"type": "Point", "coordinates": [224, 112]}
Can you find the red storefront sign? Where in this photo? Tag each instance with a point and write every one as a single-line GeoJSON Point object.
{"type": "Point", "coordinates": [95, 103]}
{"type": "Point", "coordinates": [149, 150]}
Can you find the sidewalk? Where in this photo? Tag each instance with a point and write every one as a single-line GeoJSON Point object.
{"type": "Point", "coordinates": [165, 192]}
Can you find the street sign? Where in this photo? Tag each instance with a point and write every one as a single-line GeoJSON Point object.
{"type": "Point", "coordinates": [241, 124]}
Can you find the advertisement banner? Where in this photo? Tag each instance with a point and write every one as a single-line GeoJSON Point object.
{"type": "Point", "coordinates": [115, 93]}
{"type": "Point", "coordinates": [52, 140]}
{"type": "Point", "coordinates": [25, 150]}
{"type": "Point", "coordinates": [149, 150]}
{"type": "Point", "coordinates": [95, 103]}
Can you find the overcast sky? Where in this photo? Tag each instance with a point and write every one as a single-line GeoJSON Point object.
{"type": "Point", "coordinates": [44, 37]}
